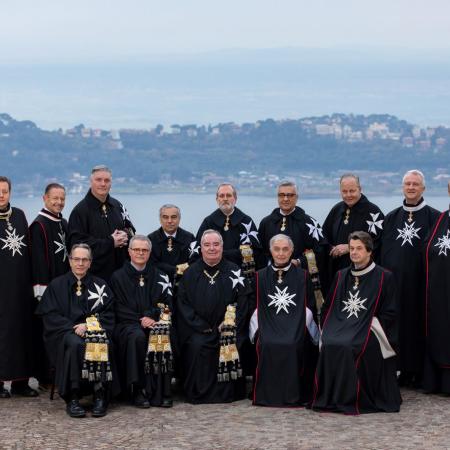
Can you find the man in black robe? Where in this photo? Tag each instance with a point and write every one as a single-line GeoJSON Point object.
{"type": "Point", "coordinates": [49, 259]}
{"type": "Point", "coordinates": [212, 312]}
{"type": "Point", "coordinates": [78, 315]}
{"type": "Point", "coordinates": [241, 244]}
{"type": "Point", "coordinates": [305, 232]}
{"type": "Point", "coordinates": [356, 371]}
{"type": "Point", "coordinates": [353, 213]}
{"type": "Point", "coordinates": [285, 322]}
{"type": "Point", "coordinates": [405, 229]}
{"type": "Point", "coordinates": [436, 376]}
{"type": "Point", "coordinates": [103, 223]}
{"type": "Point", "coordinates": [143, 295]}
{"type": "Point", "coordinates": [15, 299]}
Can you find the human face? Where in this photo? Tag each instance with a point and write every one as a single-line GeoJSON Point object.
{"type": "Point", "coordinates": [359, 256]}
{"type": "Point", "coordinates": [80, 262]}
{"type": "Point", "coordinates": [350, 191]}
{"type": "Point", "coordinates": [170, 220]}
{"type": "Point", "coordinates": [139, 253]}
{"type": "Point", "coordinates": [413, 188]}
{"type": "Point", "coordinates": [101, 184]}
{"type": "Point", "coordinates": [212, 249]}
{"type": "Point", "coordinates": [226, 199]}
{"type": "Point", "coordinates": [287, 198]}
{"type": "Point", "coordinates": [4, 194]}
{"type": "Point", "coordinates": [281, 252]}
{"type": "Point", "coordinates": [55, 200]}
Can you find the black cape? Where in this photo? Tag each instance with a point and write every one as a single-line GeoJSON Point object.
{"type": "Point", "coordinates": [16, 299]}
{"type": "Point", "coordinates": [364, 216]}
{"type": "Point", "coordinates": [89, 224]}
{"type": "Point", "coordinates": [201, 307]}
{"type": "Point", "coordinates": [352, 375]}
{"type": "Point", "coordinates": [184, 247]}
{"type": "Point", "coordinates": [61, 309]}
{"type": "Point", "coordinates": [132, 302]}
{"type": "Point", "coordinates": [242, 230]}
{"type": "Point", "coordinates": [305, 232]}
{"type": "Point", "coordinates": [402, 253]}
{"type": "Point", "coordinates": [437, 308]}
{"type": "Point", "coordinates": [283, 365]}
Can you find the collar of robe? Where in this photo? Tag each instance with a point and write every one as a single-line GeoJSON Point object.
{"type": "Point", "coordinates": [284, 268]}
{"type": "Point", "coordinates": [363, 271]}
{"type": "Point", "coordinates": [412, 208]}
{"type": "Point", "coordinates": [360, 204]}
{"type": "Point", "coordinates": [6, 213]}
{"type": "Point", "coordinates": [95, 202]}
{"type": "Point", "coordinates": [84, 281]}
{"type": "Point", "coordinates": [49, 215]}
{"type": "Point", "coordinates": [234, 218]}
{"type": "Point", "coordinates": [212, 269]}
{"type": "Point", "coordinates": [173, 236]}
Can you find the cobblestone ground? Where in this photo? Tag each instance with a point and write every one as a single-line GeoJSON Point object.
{"type": "Point", "coordinates": [424, 422]}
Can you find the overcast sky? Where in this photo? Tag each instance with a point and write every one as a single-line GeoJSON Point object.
{"type": "Point", "coordinates": [82, 30]}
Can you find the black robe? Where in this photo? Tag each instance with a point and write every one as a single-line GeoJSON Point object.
{"type": "Point", "coordinates": [364, 216]}
{"type": "Point", "coordinates": [352, 374]}
{"type": "Point", "coordinates": [15, 299]}
{"type": "Point", "coordinates": [49, 259]}
{"type": "Point", "coordinates": [201, 307]}
{"type": "Point", "coordinates": [90, 225]}
{"type": "Point", "coordinates": [61, 309]}
{"type": "Point", "coordinates": [132, 302]}
{"type": "Point", "coordinates": [437, 308]}
{"type": "Point", "coordinates": [283, 372]}
{"type": "Point", "coordinates": [402, 253]}
{"type": "Point", "coordinates": [305, 232]}
{"type": "Point", "coordinates": [184, 247]}
{"type": "Point", "coordinates": [241, 230]}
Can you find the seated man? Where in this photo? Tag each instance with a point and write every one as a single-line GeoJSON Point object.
{"type": "Point", "coordinates": [356, 372]}
{"type": "Point", "coordinates": [212, 307]}
{"type": "Point", "coordinates": [78, 318]}
{"type": "Point", "coordinates": [143, 298]}
{"type": "Point", "coordinates": [285, 318]}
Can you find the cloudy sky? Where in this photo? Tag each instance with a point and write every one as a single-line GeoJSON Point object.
{"type": "Point", "coordinates": [51, 31]}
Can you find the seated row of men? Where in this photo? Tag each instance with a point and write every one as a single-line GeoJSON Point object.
{"type": "Point", "coordinates": [102, 222]}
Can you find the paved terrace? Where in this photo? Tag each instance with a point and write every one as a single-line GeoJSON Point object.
{"type": "Point", "coordinates": [424, 422]}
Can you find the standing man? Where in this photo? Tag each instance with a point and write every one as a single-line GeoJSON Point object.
{"type": "Point", "coordinates": [49, 259]}
{"type": "Point", "coordinates": [172, 247]}
{"type": "Point", "coordinates": [241, 244]}
{"type": "Point", "coordinates": [353, 213]}
{"type": "Point", "coordinates": [356, 371]}
{"type": "Point", "coordinates": [143, 301]}
{"type": "Point", "coordinates": [405, 229]}
{"type": "Point", "coordinates": [16, 298]}
{"type": "Point", "coordinates": [436, 376]}
{"type": "Point", "coordinates": [284, 318]}
{"type": "Point", "coordinates": [212, 311]}
{"type": "Point", "coordinates": [78, 315]}
{"type": "Point", "coordinates": [103, 223]}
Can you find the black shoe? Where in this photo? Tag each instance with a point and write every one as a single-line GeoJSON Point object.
{"type": "Point", "coordinates": [74, 409]}
{"type": "Point", "coordinates": [4, 393]}
{"type": "Point", "coordinates": [140, 400]}
{"type": "Point", "coordinates": [99, 406]}
{"type": "Point", "coordinates": [25, 391]}
{"type": "Point", "coordinates": [167, 402]}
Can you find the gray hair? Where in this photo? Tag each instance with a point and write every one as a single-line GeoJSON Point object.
{"type": "Point", "coordinates": [83, 246]}
{"type": "Point", "coordinates": [101, 168]}
{"type": "Point", "coordinates": [287, 183]}
{"type": "Point", "coordinates": [414, 172]}
{"type": "Point", "coordinates": [279, 237]}
{"type": "Point", "coordinates": [350, 175]}
{"type": "Point", "coordinates": [141, 237]}
{"type": "Point", "coordinates": [167, 206]}
{"type": "Point", "coordinates": [211, 231]}
{"type": "Point", "coordinates": [227, 184]}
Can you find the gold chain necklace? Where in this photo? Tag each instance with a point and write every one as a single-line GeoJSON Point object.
{"type": "Point", "coordinates": [211, 277]}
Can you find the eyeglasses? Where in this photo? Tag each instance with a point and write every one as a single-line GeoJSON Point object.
{"type": "Point", "coordinates": [80, 260]}
{"type": "Point", "coordinates": [140, 250]}
{"type": "Point", "coordinates": [288, 195]}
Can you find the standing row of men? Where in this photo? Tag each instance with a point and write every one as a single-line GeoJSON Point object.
{"type": "Point", "coordinates": [103, 223]}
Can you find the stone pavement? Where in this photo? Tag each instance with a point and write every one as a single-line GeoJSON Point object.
{"type": "Point", "coordinates": [424, 422]}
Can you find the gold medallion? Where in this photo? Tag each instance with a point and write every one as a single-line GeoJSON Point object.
{"type": "Point", "coordinates": [283, 224]}
{"type": "Point", "coordinates": [141, 281]}
{"type": "Point", "coordinates": [169, 244]}
{"type": "Point", "coordinates": [211, 277]}
{"type": "Point", "coordinates": [226, 227]}
{"type": "Point", "coordinates": [347, 215]}
{"type": "Point", "coordinates": [280, 277]}
{"type": "Point", "coordinates": [410, 218]}
{"type": "Point", "coordinates": [78, 290]}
